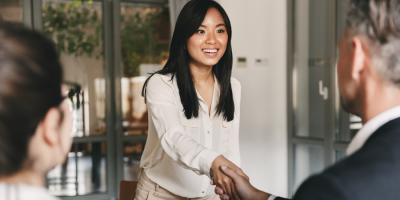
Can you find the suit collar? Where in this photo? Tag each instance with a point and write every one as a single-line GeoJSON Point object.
{"type": "Point", "coordinates": [370, 127]}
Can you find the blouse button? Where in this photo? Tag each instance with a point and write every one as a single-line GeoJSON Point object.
{"type": "Point", "coordinates": [208, 132]}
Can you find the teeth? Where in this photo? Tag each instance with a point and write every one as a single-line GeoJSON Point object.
{"type": "Point", "coordinates": [210, 50]}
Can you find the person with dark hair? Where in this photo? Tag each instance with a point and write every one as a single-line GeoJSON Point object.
{"type": "Point", "coordinates": [194, 110]}
{"type": "Point", "coordinates": [35, 121]}
{"type": "Point", "coordinates": [369, 82]}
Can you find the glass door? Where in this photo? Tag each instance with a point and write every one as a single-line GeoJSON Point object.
{"type": "Point", "coordinates": [11, 10]}
{"type": "Point", "coordinates": [76, 28]}
{"type": "Point", "coordinates": [145, 36]}
{"type": "Point", "coordinates": [79, 32]}
{"type": "Point", "coordinates": [107, 48]}
{"type": "Point", "coordinates": [311, 89]}
{"type": "Point", "coordinates": [319, 129]}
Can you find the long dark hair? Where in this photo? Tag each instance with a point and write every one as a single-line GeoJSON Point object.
{"type": "Point", "coordinates": [189, 20]}
{"type": "Point", "coordinates": [30, 84]}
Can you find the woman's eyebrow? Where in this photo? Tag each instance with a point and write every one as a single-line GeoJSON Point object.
{"type": "Point", "coordinates": [204, 26]}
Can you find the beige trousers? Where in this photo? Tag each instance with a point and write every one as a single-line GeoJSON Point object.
{"type": "Point", "coordinates": [149, 190]}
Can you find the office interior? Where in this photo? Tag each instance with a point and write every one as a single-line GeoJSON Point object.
{"type": "Point", "coordinates": [285, 51]}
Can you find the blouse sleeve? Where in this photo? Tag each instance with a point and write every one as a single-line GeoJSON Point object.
{"type": "Point", "coordinates": [176, 143]}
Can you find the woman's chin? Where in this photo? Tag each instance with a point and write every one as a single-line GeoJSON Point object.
{"type": "Point", "coordinates": [210, 63]}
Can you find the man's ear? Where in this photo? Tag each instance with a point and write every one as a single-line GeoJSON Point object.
{"type": "Point", "coordinates": [51, 127]}
{"type": "Point", "coordinates": [359, 57]}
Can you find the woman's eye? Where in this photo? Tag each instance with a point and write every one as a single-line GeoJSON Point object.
{"type": "Point", "coordinates": [220, 31]}
{"type": "Point", "coordinates": [200, 31]}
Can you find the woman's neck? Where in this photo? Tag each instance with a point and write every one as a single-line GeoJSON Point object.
{"type": "Point", "coordinates": [28, 177]}
{"type": "Point", "coordinates": [202, 74]}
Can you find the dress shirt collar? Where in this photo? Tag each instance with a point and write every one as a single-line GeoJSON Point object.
{"type": "Point", "coordinates": [370, 127]}
{"type": "Point", "coordinates": [214, 99]}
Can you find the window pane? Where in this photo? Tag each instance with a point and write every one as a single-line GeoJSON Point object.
{"type": "Point", "coordinates": [145, 40]}
{"type": "Point", "coordinates": [339, 155]}
{"type": "Point", "coordinates": [83, 172]}
{"type": "Point", "coordinates": [349, 126]}
{"type": "Point", "coordinates": [307, 160]}
{"type": "Point", "coordinates": [11, 10]}
{"type": "Point", "coordinates": [132, 153]}
{"type": "Point", "coordinates": [310, 44]}
{"type": "Point", "coordinates": [76, 29]}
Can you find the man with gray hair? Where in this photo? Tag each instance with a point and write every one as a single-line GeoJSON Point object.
{"type": "Point", "coordinates": [369, 83]}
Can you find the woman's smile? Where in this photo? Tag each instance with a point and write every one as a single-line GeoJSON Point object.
{"type": "Point", "coordinates": [210, 52]}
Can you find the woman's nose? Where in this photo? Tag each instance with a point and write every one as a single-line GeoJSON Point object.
{"type": "Point", "coordinates": [211, 38]}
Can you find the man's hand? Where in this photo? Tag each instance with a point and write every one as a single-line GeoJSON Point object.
{"type": "Point", "coordinates": [222, 180]}
{"type": "Point", "coordinates": [242, 185]}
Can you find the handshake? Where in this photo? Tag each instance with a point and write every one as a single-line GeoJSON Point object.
{"type": "Point", "coordinates": [232, 183]}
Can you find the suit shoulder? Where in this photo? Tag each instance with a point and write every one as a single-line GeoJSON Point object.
{"type": "Point", "coordinates": [323, 187]}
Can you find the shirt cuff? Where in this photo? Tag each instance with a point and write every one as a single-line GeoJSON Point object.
{"type": "Point", "coordinates": [207, 157]}
{"type": "Point", "coordinates": [272, 197]}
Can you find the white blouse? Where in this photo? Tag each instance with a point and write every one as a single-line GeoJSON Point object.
{"type": "Point", "coordinates": [24, 192]}
{"type": "Point", "coordinates": [179, 152]}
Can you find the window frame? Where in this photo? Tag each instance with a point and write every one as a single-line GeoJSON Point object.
{"type": "Point", "coordinates": [335, 118]}
{"type": "Point", "coordinates": [114, 138]}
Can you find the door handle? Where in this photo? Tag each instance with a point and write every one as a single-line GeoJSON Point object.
{"type": "Point", "coordinates": [323, 91]}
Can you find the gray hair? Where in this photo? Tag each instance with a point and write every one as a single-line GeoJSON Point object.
{"type": "Point", "coordinates": [379, 22]}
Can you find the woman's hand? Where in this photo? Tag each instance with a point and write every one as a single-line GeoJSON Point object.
{"type": "Point", "coordinates": [223, 181]}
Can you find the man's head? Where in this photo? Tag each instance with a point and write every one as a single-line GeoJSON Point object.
{"type": "Point", "coordinates": [369, 51]}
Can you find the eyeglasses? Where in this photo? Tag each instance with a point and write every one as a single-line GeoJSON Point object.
{"type": "Point", "coordinates": [74, 93]}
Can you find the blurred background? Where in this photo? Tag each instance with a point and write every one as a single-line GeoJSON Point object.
{"type": "Point", "coordinates": [285, 52]}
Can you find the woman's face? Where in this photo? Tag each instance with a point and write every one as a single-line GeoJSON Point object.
{"type": "Point", "coordinates": [208, 44]}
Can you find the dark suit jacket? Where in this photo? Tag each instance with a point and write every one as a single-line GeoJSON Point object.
{"type": "Point", "coordinates": [371, 173]}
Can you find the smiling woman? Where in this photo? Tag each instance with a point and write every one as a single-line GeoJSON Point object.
{"type": "Point", "coordinates": [194, 110]}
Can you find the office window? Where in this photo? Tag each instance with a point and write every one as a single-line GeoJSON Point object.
{"type": "Point", "coordinates": [319, 129]}
{"type": "Point", "coordinates": [145, 40]}
{"type": "Point", "coordinates": [308, 160]}
{"type": "Point", "coordinates": [11, 10]}
{"type": "Point", "coordinates": [76, 28]}
{"type": "Point", "coordinates": [107, 49]}
{"type": "Point", "coordinates": [133, 151]}
{"type": "Point", "coordinates": [83, 172]}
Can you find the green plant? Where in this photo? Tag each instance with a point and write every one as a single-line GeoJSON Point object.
{"type": "Point", "coordinates": [70, 27]}
{"type": "Point", "coordinates": [139, 39]}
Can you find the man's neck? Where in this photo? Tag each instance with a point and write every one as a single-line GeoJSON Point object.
{"type": "Point", "coordinates": [28, 177]}
{"type": "Point", "coordinates": [379, 100]}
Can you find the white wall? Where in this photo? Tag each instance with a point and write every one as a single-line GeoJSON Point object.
{"type": "Point", "coordinates": [259, 31]}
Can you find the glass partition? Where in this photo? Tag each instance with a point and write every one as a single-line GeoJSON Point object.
{"type": "Point", "coordinates": [76, 29]}
{"type": "Point", "coordinates": [339, 155]}
{"type": "Point", "coordinates": [132, 153]}
{"type": "Point", "coordinates": [83, 172]}
{"type": "Point", "coordinates": [308, 160]}
{"type": "Point", "coordinates": [310, 91]}
{"type": "Point", "coordinates": [11, 10]}
{"type": "Point", "coordinates": [145, 40]}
